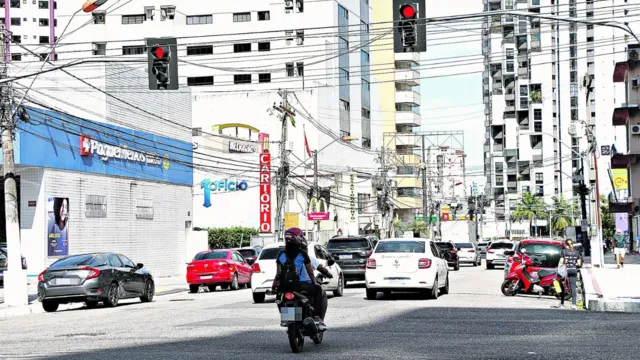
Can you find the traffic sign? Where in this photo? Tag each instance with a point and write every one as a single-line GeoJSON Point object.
{"type": "Point", "coordinates": [584, 225]}
{"type": "Point", "coordinates": [605, 150]}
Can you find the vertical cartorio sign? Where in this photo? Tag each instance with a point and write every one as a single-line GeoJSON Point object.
{"type": "Point", "coordinates": [265, 192]}
{"type": "Point", "coordinates": [352, 198]}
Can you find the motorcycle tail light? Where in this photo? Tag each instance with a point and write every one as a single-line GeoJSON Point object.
{"type": "Point", "coordinates": [289, 296]}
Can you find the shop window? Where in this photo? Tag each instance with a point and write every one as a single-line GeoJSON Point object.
{"type": "Point", "coordinates": [291, 194]}
{"type": "Point", "coordinates": [144, 209]}
{"type": "Point", "coordinates": [96, 206]}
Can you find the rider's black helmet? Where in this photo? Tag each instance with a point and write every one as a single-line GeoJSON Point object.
{"type": "Point", "coordinates": [294, 237]}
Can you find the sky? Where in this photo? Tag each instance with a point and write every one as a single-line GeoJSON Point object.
{"type": "Point", "coordinates": [454, 102]}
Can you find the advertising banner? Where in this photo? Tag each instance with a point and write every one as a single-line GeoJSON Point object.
{"type": "Point", "coordinates": [620, 179]}
{"type": "Point", "coordinates": [265, 193]}
{"type": "Point", "coordinates": [291, 220]}
{"type": "Point", "coordinates": [318, 209]}
{"type": "Point", "coordinates": [353, 200]}
{"type": "Point", "coordinates": [58, 226]}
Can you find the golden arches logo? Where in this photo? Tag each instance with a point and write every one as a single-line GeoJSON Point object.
{"type": "Point", "coordinates": [317, 205]}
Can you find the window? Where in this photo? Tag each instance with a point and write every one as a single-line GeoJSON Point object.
{"type": "Point", "coordinates": [200, 81]}
{"type": "Point", "coordinates": [43, 22]}
{"type": "Point", "coordinates": [540, 190]}
{"type": "Point", "coordinates": [98, 17]}
{"type": "Point", "coordinates": [241, 17]}
{"type": "Point", "coordinates": [16, 57]}
{"type": "Point", "coordinates": [264, 46]}
{"type": "Point", "coordinates": [300, 67]}
{"type": "Point", "coordinates": [16, 39]}
{"type": "Point", "coordinates": [167, 13]}
{"type": "Point", "coordinates": [344, 74]}
{"type": "Point", "coordinates": [95, 206]}
{"type": "Point", "coordinates": [366, 143]}
{"type": "Point", "coordinates": [537, 114]}
{"type": "Point", "coordinates": [574, 114]}
{"type": "Point", "coordinates": [133, 19]}
{"type": "Point", "coordinates": [264, 15]}
{"type": "Point", "coordinates": [242, 79]}
{"type": "Point", "coordinates": [365, 113]}
{"type": "Point", "coordinates": [238, 48]}
{"type": "Point", "coordinates": [133, 50]}
{"type": "Point", "coordinates": [526, 189]}
{"type": "Point", "coordinates": [343, 12]}
{"type": "Point", "coordinates": [200, 50]}
{"type": "Point", "coordinates": [15, 21]}
{"type": "Point", "coordinates": [15, 3]}
{"type": "Point", "coordinates": [199, 19]}
{"type": "Point", "coordinates": [126, 261]}
{"type": "Point", "coordinates": [539, 178]}
{"type": "Point", "coordinates": [343, 45]}
{"type": "Point", "coordinates": [364, 27]}
{"type": "Point", "coordinates": [99, 48]}
{"type": "Point", "coordinates": [300, 37]}
{"type": "Point", "coordinates": [149, 12]}
{"type": "Point", "coordinates": [291, 194]}
{"type": "Point", "coordinates": [499, 180]}
{"type": "Point", "coordinates": [43, 4]}
{"type": "Point", "coordinates": [113, 260]}
{"type": "Point", "coordinates": [144, 209]}
{"type": "Point", "coordinates": [509, 54]}
{"type": "Point", "coordinates": [44, 39]}
{"type": "Point", "coordinates": [290, 70]}
{"type": "Point", "coordinates": [264, 78]}
{"type": "Point", "coordinates": [365, 57]}
{"type": "Point", "coordinates": [363, 202]}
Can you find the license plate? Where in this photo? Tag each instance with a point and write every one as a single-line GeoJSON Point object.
{"type": "Point", "coordinates": [206, 277]}
{"type": "Point", "coordinates": [290, 314]}
{"type": "Point", "coordinates": [63, 281]}
{"type": "Point", "coordinates": [346, 257]}
{"type": "Point", "coordinates": [397, 282]}
{"type": "Point", "coordinates": [500, 255]}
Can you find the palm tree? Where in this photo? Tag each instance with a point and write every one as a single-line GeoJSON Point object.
{"type": "Point", "coordinates": [563, 214]}
{"type": "Point", "coordinates": [529, 208]}
{"type": "Point", "coordinates": [418, 227]}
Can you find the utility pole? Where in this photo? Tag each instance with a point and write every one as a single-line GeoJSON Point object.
{"type": "Point", "coordinates": [316, 191]}
{"type": "Point", "coordinates": [283, 171]}
{"type": "Point", "coordinates": [425, 204]}
{"type": "Point", "coordinates": [584, 191]}
{"type": "Point", "coordinates": [15, 279]}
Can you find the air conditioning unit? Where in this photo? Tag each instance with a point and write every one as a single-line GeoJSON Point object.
{"type": "Point", "coordinates": [632, 54]}
{"type": "Point", "coordinates": [635, 129]}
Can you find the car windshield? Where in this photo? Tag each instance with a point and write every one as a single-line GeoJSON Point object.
{"type": "Point", "coordinates": [548, 255]}
{"type": "Point", "coordinates": [78, 260]}
{"type": "Point", "coordinates": [348, 244]}
{"type": "Point", "coordinates": [400, 247]}
{"type": "Point", "coordinates": [270, 253]}
{"type": "Point", "coordinates": [465, 245]}
{"type": "Point", "coordinates": [501, 246]}
{"type": "Point", "coordinates": [247, 253]}
{"type": "Point", "coordinates": [444, 245]}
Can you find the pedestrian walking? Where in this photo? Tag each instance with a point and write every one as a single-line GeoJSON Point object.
{"type": "Point", "coordinates": [570, 261]}
{"type": "Point", "coordinates": [620, 247]}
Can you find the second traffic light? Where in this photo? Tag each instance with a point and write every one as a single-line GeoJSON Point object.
{"type": "Point", "coordinates": [163, 64]}
{"type": "Point", "coordinates": [409, 25]}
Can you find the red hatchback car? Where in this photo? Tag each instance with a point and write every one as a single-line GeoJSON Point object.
{"type": "Point", "coordinates": [226, 268]}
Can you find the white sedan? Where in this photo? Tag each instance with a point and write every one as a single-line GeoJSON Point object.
{"type": "Point", "coordinates": [264, 270]}
{"type": "Point", "coordinates": [406, 264]}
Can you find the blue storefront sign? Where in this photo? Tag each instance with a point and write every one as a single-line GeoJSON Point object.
{"type": "Point", "coordinates": [61, 141]}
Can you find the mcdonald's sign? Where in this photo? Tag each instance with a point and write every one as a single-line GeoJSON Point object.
{"type": "Point", "coordinates": [318, 209]}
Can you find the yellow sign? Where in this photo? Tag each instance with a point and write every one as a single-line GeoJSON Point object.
{"type": "Point", "coordinates": [165, 162]}
{"type": "Point", "coordinates": [290, 220]}
{"type": "Point", "coordinates": [620, 179]}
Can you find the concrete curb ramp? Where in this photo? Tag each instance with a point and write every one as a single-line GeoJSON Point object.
{"type": "Point", "coordinates": [615, 305]}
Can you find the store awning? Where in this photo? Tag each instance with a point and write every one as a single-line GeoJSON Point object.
{"type": "Point", "coordinates": [620, 71]}
{"type": "Point", "coordinates": [622, 161]}
{"type": "Point", "coordinates": [620, 116]}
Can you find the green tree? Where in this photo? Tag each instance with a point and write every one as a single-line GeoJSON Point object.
{"type": "Point", "coordinates": [418, 227]}
{"type": "Point", "coordinates": [231, 237]}
{"type": "Point", "coordinates": [530, 208]}
{"type": "Point", "coordinates": [608, 221]}
{"type": "Point", "coordinates": [563, 214]}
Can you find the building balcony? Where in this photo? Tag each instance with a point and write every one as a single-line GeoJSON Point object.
{"type": "Point", "coordinates": [510, 108]}
{"type": "Point", "coordinates": [621, 205]}
{"type": "Point", "coordinates": [510, 96]}
{"type": "Point", "coordinates": [408, 76]}
{"type": "Point", "coordinates": [410, 97]}
{"type": "Point", "coordinates": [623, 161]}
{"type": "Point", "coordinates": [622, 115]}
{"type": "Point", "coordinates": [411, 181]}
{"type": "Point", "coordinates": [408, 118]}
{"type": "Point", "coordinates": [408, 56]}
{"type": "Point", "coordinates": [403, 202]}
{"type": "Point", "coordinates": [620, 71]}
{"type": "Point", "coordinates": [524, 72]}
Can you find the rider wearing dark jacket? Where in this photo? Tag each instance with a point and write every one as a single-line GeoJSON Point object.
{"type": "Point", "coordinates": [296, 249]}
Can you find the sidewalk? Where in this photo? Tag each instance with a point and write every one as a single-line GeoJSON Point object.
{"type": "Point", "coordinates": [612, 289]}
{"type": "Point", "coordinates": [164, 286]}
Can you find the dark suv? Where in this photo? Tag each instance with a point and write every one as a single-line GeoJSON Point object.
{"type": "Point", "coordinates": [450, 253]}
{"type": "Point", "coordinates": [351, 253]}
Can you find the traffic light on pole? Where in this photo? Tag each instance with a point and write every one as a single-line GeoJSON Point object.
{"type": "Point", "coordinates": [163, 63]}
{"type": "Point", "coordinates": [160, 65]}
{"type": "Point", "coordinates": [409, 19]}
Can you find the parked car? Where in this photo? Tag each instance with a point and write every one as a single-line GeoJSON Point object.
{"type": "Point", "coordinates": [93, 278]}
{"type": "Point", "coordinates": [545, 253]}
{"type": "Point", "coordinates": [407, 264]}
{"type": "Point", "coordinates": [495, 253]}
{"type": "Point", "coordinates": [250, 254]}
{"type": "Point", "coordinates": [264, 270]}
{"type": "Point", "coordinates": [351, 253]}
{"type": "Point", "coordinates": [4, 262]}
{"type": "Point", "coordinates": [483, 246]}
{"type": "Point", "coordinates": [450, 253]}
{"type": "Point", "coordinates": [213, 268]}
{"type": "Point", "coordinates": [469, 253]}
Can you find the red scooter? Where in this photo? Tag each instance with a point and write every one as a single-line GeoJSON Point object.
{"type": "Point", "coordinates": [540, 282]}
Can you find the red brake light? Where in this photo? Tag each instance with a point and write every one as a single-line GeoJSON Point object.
{"type": "Point", "coordinates": [255, 268]}
{"type": "Point", "coordinates": [490, 251]}
{"type": "Point", "coordinates": [452, 251]}
{"type": "Point", "coordinates": [289, 296]}
{"type": "Point", "coordinates": [190, 265]}
{"type": "Point", "coordinates": [510, 259]}
{"type": "Point", "coordinates": [472, 250]}
{"type": "Point", "coordinates": [371, 263]}
{"type": "Point", "coordinates": [93, 272]}
{"type": "Point", "coordinates": [41, 277]}
{"type": "Point", "coordinates": [424, 263]}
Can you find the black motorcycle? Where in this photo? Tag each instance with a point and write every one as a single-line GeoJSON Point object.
{"type": "Point", "coordinates": [296, 314]}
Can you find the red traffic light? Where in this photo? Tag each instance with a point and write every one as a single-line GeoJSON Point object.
{"type": "Point", "coordinates": [408, 11]}
{"type": "Point", "coordinates": [159, 52]}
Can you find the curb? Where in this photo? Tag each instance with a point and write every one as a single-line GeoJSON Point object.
{"type": "Point", "coordinates": [611, 305]}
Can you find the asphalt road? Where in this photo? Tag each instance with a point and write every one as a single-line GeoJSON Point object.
{"type": "Point", "coordinates": [475, 321]}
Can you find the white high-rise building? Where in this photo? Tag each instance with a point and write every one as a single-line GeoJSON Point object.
{"type": "Point", "coordinates": [542, 80]}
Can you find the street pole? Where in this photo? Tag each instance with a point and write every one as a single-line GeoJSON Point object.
{"type": "Point", "coordinates": [425, 204]}
{"type": "Point", "coordinates": [283, 171]}
{"type": "Point", "coordinates": [15, 279]}
{"type": "Point", "coordinates": [316, 192]}
{"type": "Point", "coordinates": [583, 205]}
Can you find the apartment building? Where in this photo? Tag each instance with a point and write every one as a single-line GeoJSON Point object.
{"type": "Point", "coordinates": [544, 84]}
{"type": "Point", "coordinates": [30, 22]}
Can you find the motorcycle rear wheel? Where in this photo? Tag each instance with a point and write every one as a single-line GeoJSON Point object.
{"type": "Point", "coordinates": [296, 340]}
{"type": "Point", "coordinates": [318, 339]}
{"type": "Point", "coordinates": [507, 288]}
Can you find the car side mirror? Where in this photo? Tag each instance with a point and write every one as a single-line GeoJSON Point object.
{"type": "Point", "coordinates": [330, 262]}
{"type": "Point", "coordinates": [509, 252]}
{"type": "Point", "coordinates": [139, 265]}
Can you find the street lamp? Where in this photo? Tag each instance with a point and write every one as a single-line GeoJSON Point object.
{"type": "Point", "coordinates": [91, 5]}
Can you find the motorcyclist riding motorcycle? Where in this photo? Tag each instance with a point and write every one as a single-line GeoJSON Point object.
{"type": "Point", "coordinates": [296, 249]}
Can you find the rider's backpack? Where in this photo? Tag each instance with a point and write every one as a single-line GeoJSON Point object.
{"type": "Point", "coordinates": [289, 279]}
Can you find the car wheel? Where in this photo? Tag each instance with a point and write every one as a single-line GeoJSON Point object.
{"type": "Point", "coordinates": [249, 283]}
{"type": "Point", "coordinates": [258, 298]}
{"type": "Point", "coordinates": [194, 288]}
{"type": "Point", "coordinates": [340, 290]}
{"type": "Point", "coordinates": [372, 294]}
{"type": "Point", "coordinates": [149, 291]}
{"type": "Point", "coordinates": [234, 282]}
{"type": "Point", "coordinates": [490, 266]}
{"type": "Point", "coordinates": [445, 289]}
{"type": "Point", "coordinates": [91, 304]}
{"type": "Point", "coordinates": [113, 296]}
{"type": "Point", "coordinates": [212, 288]}
{"type": "Point", "coordinates": [433, 294]}
{"type": "Point", "coordinates": [50, 306]}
